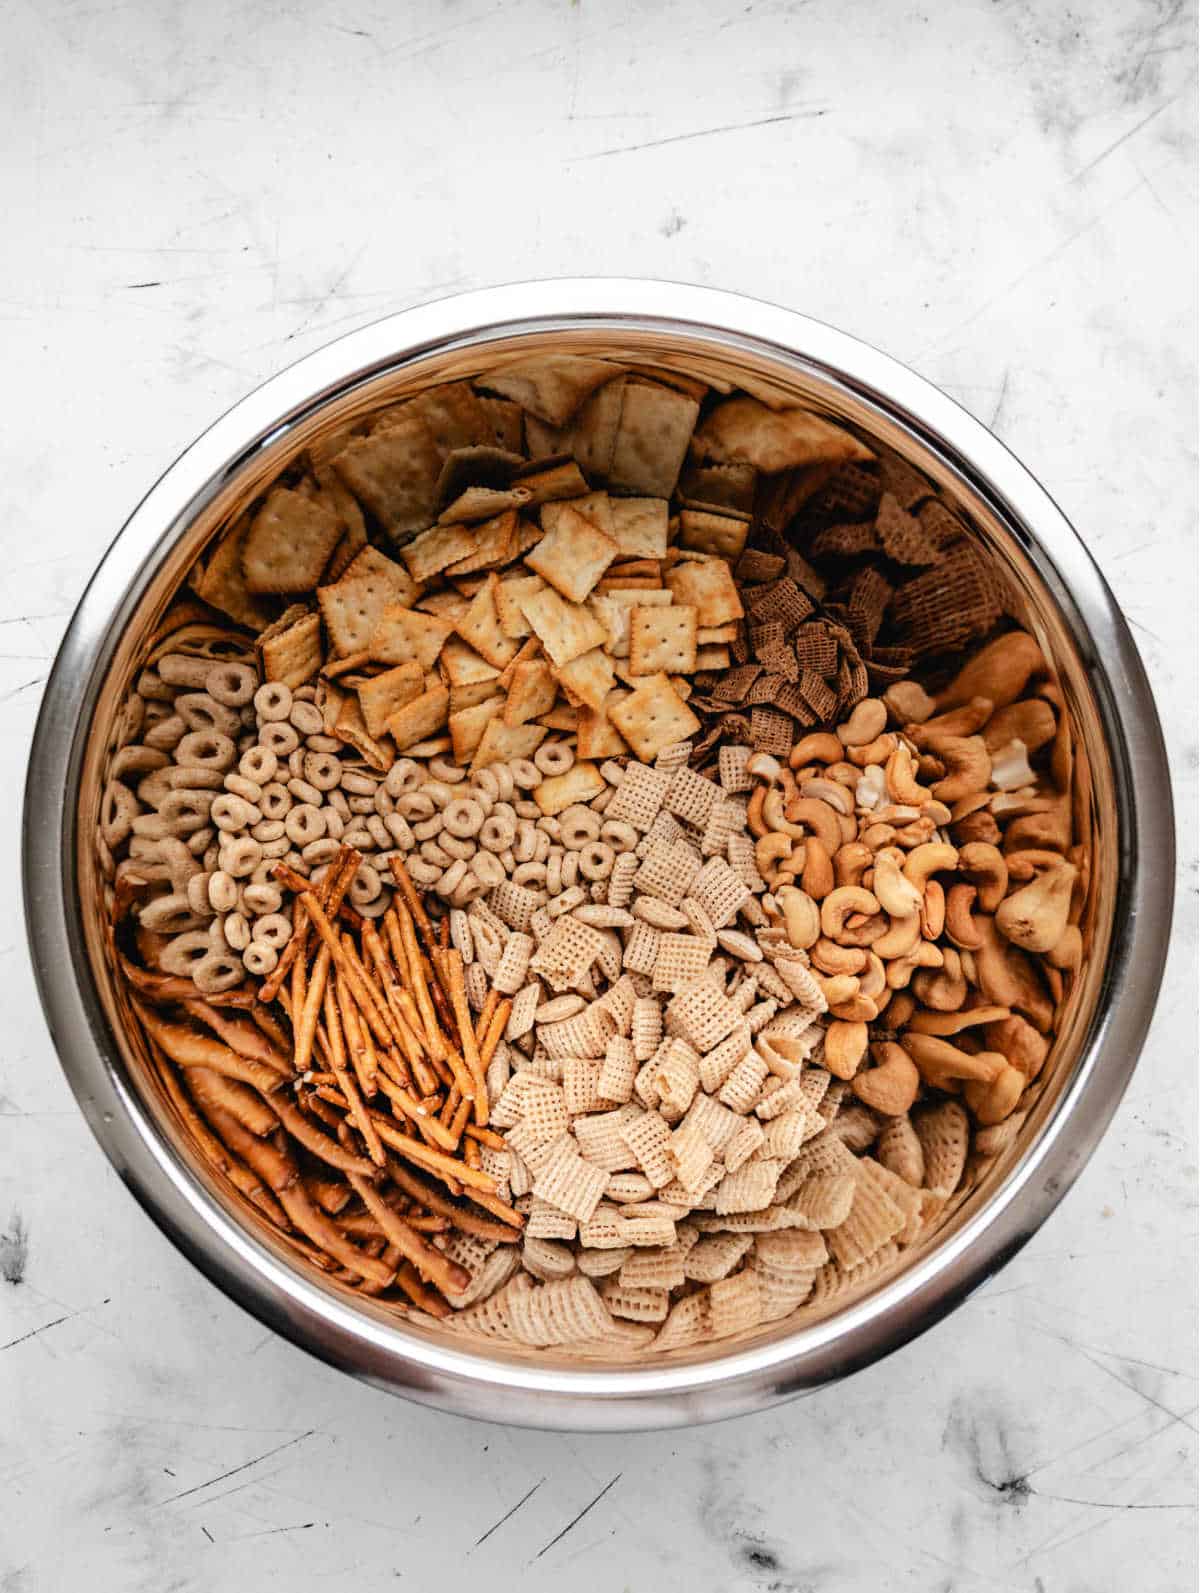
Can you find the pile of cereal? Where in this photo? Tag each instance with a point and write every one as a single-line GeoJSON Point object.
{"type": "Point", "coordinates": [531, 911]}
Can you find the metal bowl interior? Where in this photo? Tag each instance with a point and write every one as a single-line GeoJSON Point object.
{"type": "Point", "coordinates": [1057, 592]}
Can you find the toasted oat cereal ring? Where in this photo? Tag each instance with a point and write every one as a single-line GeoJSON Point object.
{"type": "Point", "coordinates": [206, 749]}
{"type": "Point", "coordinates": [322, 770]}
{"type": "Point", "coordinates": [237, 930]}
{"type": "Point", "coordinates": [274, 930]}
{"type": "Point", "coordinates": [451, 879]}
{"type": "Point", "coordinates": [320, 852]}
{"type": "Point", "coordinates": [218, 971]}
{"type": "Point", "coordinates": [454, 846]}
{"type": "Point", "coordinates": [232, 813]}
{"type": "Point", "coordinates": [554, 757]}
{"type": "Point", "coordinates": [222, 891]}
{"type": "Point", "coordinates": [304, 823]}
{"type": "Point", "coordinates": [526, 775]}
{"type": "Point", "coordinates": [249, 790]}
{"type": "Point", "coordinates": [577, 826]}
{"type": "Point", "coordinates": [268, 830]}
{"type": "Point", "coordinates": [498, 832]}
{"type": "Point", "coordinates": [488, 869]}
{"type": "Point", "coordinates": [231, 684]}
{"type": "Point", "coordinates": [273, 701]}
{"type": "Point", "coordinates": [118, 809]}
{"type": "Point", "coordinates": [258, 764]}
{"type": "Point", "coordinates": [262, 898]}
{"type": "Point", "coordinates": [181, 954]}
{"type": "Point", "coordinates": [531, 875]}
{"type": "Point", "coordinates": [356, 783]}
{"type": "Point", "coordinates": [596, 860]}
{"type": "Point", "coordinates": [307, 718]}
{"type": "Point", "coordinates": [504, 780]}
{"type": "Point", "coordinates": [241, 856]}
{"type": "Point", "coordinates": [169, 915]}
{"type": "Point", "coordinates": [279, 737]}
{"type": "Point", "coordinates": [182, 812]}
{"type": "Point", "coordinates": [365, 886]}
{"type": "Point", "coordinates": [463, 818]}
{"type": "Point", "coordinates": [259, 958]}
{"type": "Point", "coordinates": [570, 870]}
{"type": "Point", "coordinates": [405, 775]}
{"type": "Point", "coordinates": [276, 801]}
{"type": "Point", "coordinates": [182, 669]}
{"type": "Point", "coordinates": [199, 711]}
{"type": "Point", "coordinates": [302, 791]}
{"type": "Point", "coordinates": [448, 773]}
{"type": "Point", "coordinates": [620, 835]}
{"type": "Point", "coordinates": [196, 891]}
{"type": "Point", "coordinates": [422, 873]}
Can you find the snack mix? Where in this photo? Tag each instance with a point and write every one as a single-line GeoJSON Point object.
{"type": "Point", "coordinates": [594, 860]}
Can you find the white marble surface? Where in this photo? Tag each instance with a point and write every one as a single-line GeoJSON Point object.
{"type": "Point", "coordinates": [1001, 194]}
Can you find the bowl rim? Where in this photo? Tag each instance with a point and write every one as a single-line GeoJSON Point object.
{"type": "Point", "coordinates": [527, 1393]}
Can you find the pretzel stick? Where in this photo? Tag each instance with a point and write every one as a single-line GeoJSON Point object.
{"type": "Point", "coordinates": [299, 1127]}
{"type": "Point", "coordinates": [360, 1224]}
{"type": "Point", "coordinates": [209, 1087]}
{"type": "Point", "coordinates": [175, 987]}
{"type": "Point", "coordinates": [329, 1193]}
{"type": "Point", "coordinates": [424, 1119]}
{"type": "Point", "coordinates": [241, 1035]}
{"type": "Point", "coordinates": [412, 900]}
{"type": "Point", "coordinates": [471, 1153]}
{"type": "Point", "coordinates": [275, 1167]}
{"type": "Point", "coordinates": [447, 1274]}
{"type": "Point", "coordinates": [434, 1161]}
{"type": "Point", "coordinates": [497, 1207]}
{"type": "Point", "coordinates": [450, 1104]}
{"type": "Point", "coordinates": [394, 1031]}
{"type": "Point", "coordinates": [487, 1049]}
{"type": "Point", "coordinates": [189, 1049]}
{"type": "Point", "coordinates": [313, 1222]}
{"type": "Point", "coordinates": [306, 1028]}
{"type": "Point", "coordinates": [485, 1017]}
{"type": "Point", "coordinates": [485, 1136]}
{"type": "Point", "coordinates": [459, 1121]}
{"type": "Point", "coordinates": [466, 1029]}
{"type": "Point", "coordinates": [461, 1216]}
{"type": "Point", "coordinates": [337, 1063]}
{"type": "Point", "coordinates": [298, 944]}
{"type": "Point", "coordinates": [367, 1058]}
{"type": "Point", "coordinates": [346, 971]}
{"type": "Point", "coordinates": [424, 1299]}
{"type": "Point", "coordinates": [298, 989]}
{"type": "Point", "coordinates": [434, 1043]}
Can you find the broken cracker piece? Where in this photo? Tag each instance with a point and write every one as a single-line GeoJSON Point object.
{"type": "Point", "coordinates": [501, 743]}
{"type": "Point", "coordinates": [588, 679]}
{"type": "Point", "coordinates": [480, 626]}
{"type": "Point", "coordinates": [745, 431]}
{"type": "Point", "coordinates": [708, 585]}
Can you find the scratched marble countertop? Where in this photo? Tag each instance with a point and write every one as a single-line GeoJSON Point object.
{"type": "Point", "coordinates": [1000, 194]}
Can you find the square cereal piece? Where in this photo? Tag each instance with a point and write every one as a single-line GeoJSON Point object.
{"type": "Point", "coordinates": [662, 639]}
{"type": "Point", "coordinates": [701, 1015]}
{"type": "Point", "coordinates": [502, 743]}
{"type": "Point", "coordinates": [690, 797]}
{"type": "Point", "coordinates": [718, 534]}
{"type": "Point", "coordinates": [641, 949]}
{"type": "Point", "coordinates": [289, 543]}
{"type": "Point", "coordinates": [731, 768]}
{"type": "Point", "coordinates": [680, 961]}
{"type": "Point", "coordinates": [708, 585]}
{"type": "Point", "coordinates": [652, 438]}
{"type": "Point", "coordinates": [480, 627]}
{"type": "Point", "coordinates": [569, 1183]}
{"type": "Point", "coordinates": [581, 1084]}
{"type": "Point", "coordinates": [403, 635]}
{"type": "Point", "coordinates": [618, 1070]}
{"type": "Point", "coordinates": [394, 472]}
{"type": "Point", "coordinates": [649, 1138]}
{"type": "Point", "coordinates": [580, 783]}
{"type": "Point", "coordinates": [639, 527]}
{"type": "Point", "coordinates": [385, 694]}
{"type": "Point", "coordinates": [292, 654]}
{"type": "Point", "coordinates": [588, 679]}
{"type": "Point", "coordinates": [468, 725]}
{"type": "Point", "coordinates": [667, 872]}
{"type": "Point", "coordinates": [353, 605]}
{"type": "Point", "coordinates": [565, 630]}
{"type": "Point", "coordinates": [640, 796]}
{"type": "Point", "coordinates": [720, 891]}
{"type": "Point", "coordinates": [532, 690]}
{"type": "Point", "coordinates": [573, 554]}
{"type": "Point", "coordinates": [653, 716]}
{"type": "Point", "coordinates": [419, 719]}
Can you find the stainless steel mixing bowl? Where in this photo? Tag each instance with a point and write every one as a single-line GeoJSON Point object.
{"type": "Point", "coordinates": [1064, 600]}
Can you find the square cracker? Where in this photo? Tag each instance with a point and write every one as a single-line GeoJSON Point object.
{"type": "Point", "coordinates": [662, 640]}
{"type": "Point", "coordinates": [481, 503]}
{"type": "Point", "coordinates": [468, 696]}
{"type": "Point", "coordinates": [494, 541]}
{"type": "Point", "coordinates": [597, 736]}
{"type": "Point", "coordinates": [564, 629]}
{"type": "Point", "coordinates": [352, 606]}
{"type": "Point", "coordinates": [712, 533]}
{"type": "Point", "coordinates": [383, 695]}
{"type": "Point", "coordinates": [467, 727]}
{"type": "Point", "coordinates": [745, 431]}
{"type": "Point", "coordinates": [453, 414]}
{"type": "Point", "coordinates": [563, 480]}
{"type": "Point", "coordinates": [290, 650]}
{"type": "Point", "coordinates": [462, 665]}
{"type": "Point", "coordinates": [550, 386]}
{"type": "Point", "coordinates": [442, 545]}
{"type": "Point", "coordinates": [531, 692]}
{"type": "Point", "coordinates": [588, 679]}
{"type": "Point", "coordinates": [222, 582]}
{"type": "Point", "coordinates": [708, 585]}
{"type": "Point", "coordinates": [573, 554]}
{"type": "Point", "coordinates": [406, 636]}
{"type": "Point", "coordinates": [653, 717]}
{"type": "Point", "coordinates": [502, 743]}
{"type": "Point", "coordinates": [424, 716]}
{"type": "Point", "coordinates": [394, 471]}
{"type": "Point", "coordinates": [480, 626]}
{"type": "Point", "coordinates": [639, 527]}
{"type": "Point", "coordinates": [652, 439]}
{"type": "Point", "coordinates": [289, 543]}
{"type": "Point", "coordinates": [581, 783]}
{"type": "Point", "coordinates": [508, 603]}
{"type": "Point", "coordinates": [594, 432]}
{"type": "Point", "coordinates": [615, 606]}
{"type": "Point", "coordinates": [351, 728]}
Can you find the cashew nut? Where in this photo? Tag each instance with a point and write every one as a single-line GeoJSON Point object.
{"type": "Point", "coordinates": [1010, 769]}
{"type": "Point", "coordinates": [841, 987]}
{"type": "Point", "coordinates": [1007, 977]}
{"type": "Point", "coordinates": [1020, 1042]}
{"type": "Point", "coordinates": [828, 791]}
{"type": "Point", "coordinates": [1051, 829]}
{"type": "Point", "coordinates": [943, 989]}
{"type": "Point", "coordinates": [929, 859]}
{"type": "Point", "coordinates": [944, 1023]}
{"type": "Point", "coordinates": [908, 703]}
{"type": "Point", "coordinates": [840, 904]}
{"type": "Point", "coordinates": [773, 814]}
{"type": "Point", "coordinates": [992, 1103]}
{"type": "Point", "coordinates": [964, 721]}
{"type": "Point", "coordinates": [817, 876]}
{"type": "Point", "coordinates": [960, 927]}
{"type": "Point", "coordinates": [1031, 721]}
{"type": "Point", "coordinates": [898, 896]}
{"type": "Point", "coordinates": [804, 814]}
{"type": "Point", "coordinates": [901, 776]}
{"type": "Point", "coordinates": [1002, 669]}
{"type": "Point", "coordinates": [817, 747]}
{"type": "Point", "coordinates": [933, 911]}
{"type": "Point", "coordinates": [901, 969]}
{"type": "Point", "coordinates": [938, 1060]}
{"type": "Point", "coordinates": [864, 724]}
{"type": "Point", "coordinates": [892, 1086]}
{"type": "Point", "coordinates": [976, 827]}
{"type": "Point", "coordinates": [1035, 917]}
{"type": "Point", "coordinates": [762, 766]}
{"type": "Point", "coordinates": [845, 1047]}
{"type": "Point", "coordinates": [802, 917]}
{"type": "Point", "coordinates": [877, 751]}
{"type": "Point", "coordinates": [968, 767]}
{"type": "Point", "coordinates": [755, 822]}
{"type": "Point", "coordinates": [902, 937]}
{"type": "Point", "coordinates": [850, 862]}
{"type": "Point", "coordinates": [833, 959]}
{"type": "Point", "coordinates": [859, 1009]}
{"type": "Point", "coordinates": [769, 851]}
